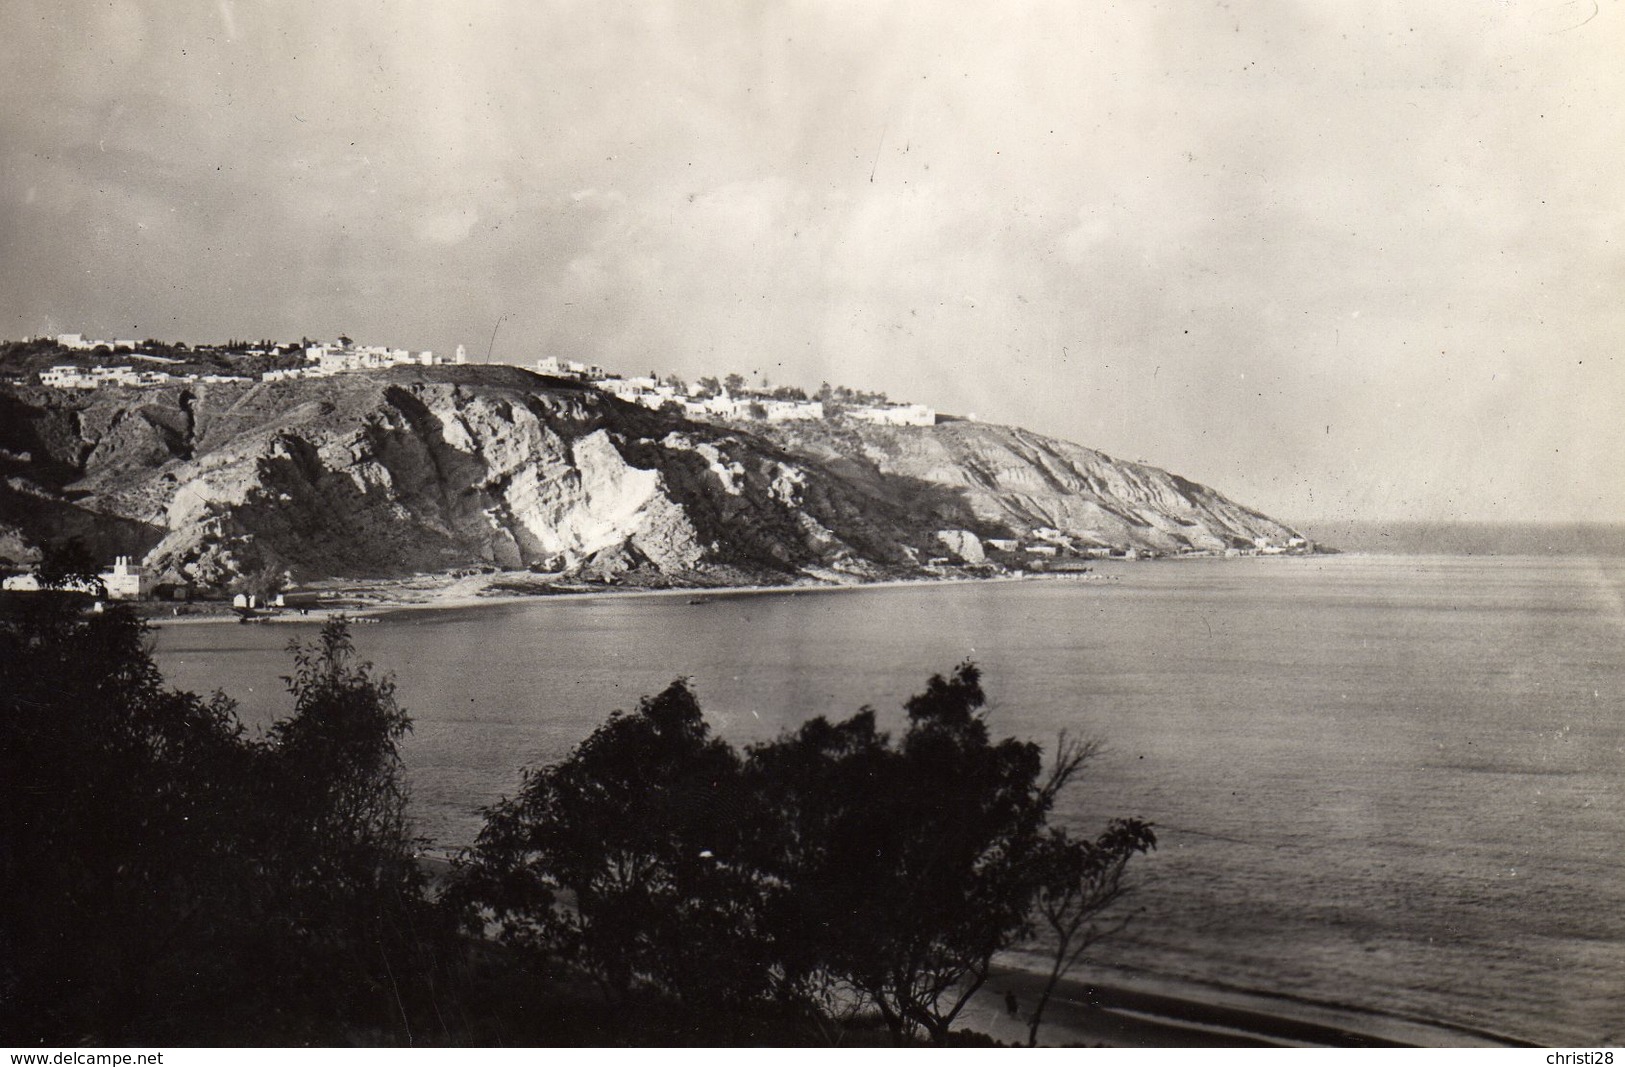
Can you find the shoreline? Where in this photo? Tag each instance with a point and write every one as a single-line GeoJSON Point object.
{"type": "Point", "coordinates": [459, 594]}
{"type": "Point", "coordinates": [375, 601]}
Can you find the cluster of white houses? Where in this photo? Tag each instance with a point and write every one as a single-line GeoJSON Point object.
{"type": "Point", "coordinates": [651, 393]}
{"type": "Point", "coordinates": [71, 377]}
{"type": "Point", "coordinates": [654, 393]}
{"type": "Point", "coordinates": [343, 357]}
{"type": "Point", "coordinates": [325, 360]}
{"type": "Point", "coordinates": [1050, 549]}
{"type": "Point", "coordinates": [129, 580]}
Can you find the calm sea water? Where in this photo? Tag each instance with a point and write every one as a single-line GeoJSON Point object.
{"type": "Point", "coordinates": [1395, 783]}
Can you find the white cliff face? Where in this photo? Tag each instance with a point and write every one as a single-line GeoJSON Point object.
{"type": "Point", "coordinates": [590, 501]}
{"type": "Point", "coordinates": [963, 544]}
{"type": "Point", "coordinates": [552, 498]}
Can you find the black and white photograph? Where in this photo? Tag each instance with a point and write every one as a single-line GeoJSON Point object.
{"type": "Point", "coordinates": [807, 523]}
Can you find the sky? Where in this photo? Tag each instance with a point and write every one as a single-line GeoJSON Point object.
{"type": "Point", "coordinates": [1336, 259]}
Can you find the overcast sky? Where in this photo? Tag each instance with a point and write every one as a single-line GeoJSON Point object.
{"type": "Point", "coordinates": [1333, 258]}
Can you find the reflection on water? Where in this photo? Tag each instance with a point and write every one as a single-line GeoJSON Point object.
{"type": "Point", "coordinates": [1384, 781]}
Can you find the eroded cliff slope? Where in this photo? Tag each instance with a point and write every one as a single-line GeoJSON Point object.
{"type": "Point", "coordinates": [1003, 476]}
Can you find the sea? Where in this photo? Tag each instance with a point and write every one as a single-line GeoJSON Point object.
{"type": "Point", "coordinates": [1394, 782]}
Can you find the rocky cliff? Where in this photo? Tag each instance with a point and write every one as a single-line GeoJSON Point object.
{"type": "Point", "coordinates": [1000, 476]}
{"type": "Point", "coordinates": [435, 469]}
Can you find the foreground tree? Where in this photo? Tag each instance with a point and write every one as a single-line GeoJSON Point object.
{"type": "Point", "coordinates": [812, 838]}
{"type": "Point", "coordinates": [117, 830]}
{"type": "Point", "coordinates": [337, 763]}
{"type": "Point", "coordinates": [264, 582]}
{"type": "Point", "coordinates": [831, 870]}
{"type": "Point", "coordinates": [1081, 880]}
{"type": "Point", "coordinates": [622, 861]}
{"type": "Point", "coordinates": [164, 877]}
{"type": "Point", "coordinates": [70, 565]}
{"type": "Point", "coordinates": [337, 846]}
{"type": "Point", "coordinates": [905, 868]}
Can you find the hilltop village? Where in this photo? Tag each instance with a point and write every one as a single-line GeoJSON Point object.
{"type": "Point", "coordinates": [155, 363]}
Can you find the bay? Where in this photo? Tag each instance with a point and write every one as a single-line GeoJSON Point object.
{"type": "Point", "coordinates": [1387, 782]}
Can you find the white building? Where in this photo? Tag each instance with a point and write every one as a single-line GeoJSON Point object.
{"type": "Point", "coordinates": [127, 580]}
{"type": "Point", "coordinates": [722, 407]}
{"type": "Point", "coordinates": [657, 398]}
{"type": "Point", "coordinates": [80, 342]}
{"type": "Point", "coordinates": [569, 368]}
{"type": "Point", "coordinates": [67, 377]}
{"type": "Point", "coordinates": [792, 410]}
{"type": "Point", "coordinates": [625, 388]}
{"type": "Point", "coordinates": [895, 415]}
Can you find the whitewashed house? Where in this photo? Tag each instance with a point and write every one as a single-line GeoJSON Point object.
{"type": "Point", "coordinates": [127, 580]}
{"type": "Point", "coordinates": [895, 415]}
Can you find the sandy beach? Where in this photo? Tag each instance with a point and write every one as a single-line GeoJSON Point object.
{"type": "Point", "coordinates": [1122, 1009]}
